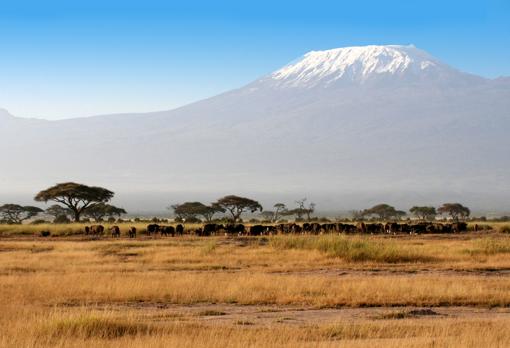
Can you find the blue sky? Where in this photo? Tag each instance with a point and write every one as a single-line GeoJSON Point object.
{"type": "Point", "coordinates": [62, 59]}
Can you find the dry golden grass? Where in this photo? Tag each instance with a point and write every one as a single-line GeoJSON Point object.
{"type": "Point", "coordinates": [32, 327]}
{"type": "Point", "coordinates": [68, 292]}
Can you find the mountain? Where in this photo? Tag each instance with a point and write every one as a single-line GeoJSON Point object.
{"type": "Point", "coordinates": [5, 115]}
{"type": "Point", "coordinates": [348, 126]}
{"type": "Point", "coordinates": [362, 65]}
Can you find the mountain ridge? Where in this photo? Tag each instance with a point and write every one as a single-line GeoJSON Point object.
{"type": "Point", "coordinates": [402, 137]}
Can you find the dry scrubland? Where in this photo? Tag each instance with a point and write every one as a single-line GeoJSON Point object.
{"type": "Point", "coordinates": [293, 291]}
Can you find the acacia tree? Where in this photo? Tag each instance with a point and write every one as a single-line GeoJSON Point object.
{"type": "Point", "coordinates": [455, 210]}
{"type": "Point", "coordinates": [102, 210]}
{"type": "Point", "coordinates": [56, 210]}
{"type": "Point", "coordinates": [59, 213]}
{"type": "Point", "coordinates": [279, 209]}
{"type": "Point", "coordinates": [302, 209]}
{"type": "Point", "coordinates": [16, 214]}
{"type": "Point", "coordinates": [190, 210]}
{"type": "Point", "coordinates": [268, 215]}
{"type": "Point", "coordinates": [424, 213]}
{"type": "Point", "coordinates": [357, 215]}
{"type": "Point", "coordinates": [236, 205]}
{"type": "Point", "coordinates": [384, 212]}
{"type": "Point", "coordinates": [76, 197]}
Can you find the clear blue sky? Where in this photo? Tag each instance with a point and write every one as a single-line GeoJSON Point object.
{"type": "Point", "coordinates": [63, 59]}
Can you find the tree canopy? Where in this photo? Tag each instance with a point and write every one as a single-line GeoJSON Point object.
{"type": "Point", "coordinates": [423, 213]}
{"type": "Point", "coordinates": [279, 209]}
{"type": "Point", "coordinates": [16, 214]}
{"type": "Point", "coordinates": [76, 197]}
{"type": "Point", "coordinates": [236, 205]}
{"type": "Point", "coordinates": [455, 210]}
{"type": "Point", "coordinates": [384, 212]}
{"type": "Point", "coordinates": [56, 210]}
{"type": "Point", "coordinates": [190, 210]}
{"type": "Point", "coordinates": [101, 211]}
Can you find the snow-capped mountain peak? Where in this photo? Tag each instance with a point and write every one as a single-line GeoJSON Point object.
{"type": "Point", "coordinates": [359, 64]}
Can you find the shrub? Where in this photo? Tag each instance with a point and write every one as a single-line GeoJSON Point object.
{"type": "Point", "coordinates": [505, 229]}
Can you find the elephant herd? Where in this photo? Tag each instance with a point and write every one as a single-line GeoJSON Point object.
{"type": "Point", "coordinates": [211, 229]}
{"type": "Point", "coordinates": [316, 228]}
{"type": "Point", "coordinates": [98, 230]}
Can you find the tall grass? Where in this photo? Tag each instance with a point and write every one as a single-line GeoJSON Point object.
{"type": "Point", "coordinates": [88, 326]}
{"type": "Point", "coordinates": [491, 246]}
{"type": "Point", "coordinates": [353, 249]}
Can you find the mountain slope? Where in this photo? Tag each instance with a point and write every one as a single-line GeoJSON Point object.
{"type": "Point", "coordinates": [361, 121]}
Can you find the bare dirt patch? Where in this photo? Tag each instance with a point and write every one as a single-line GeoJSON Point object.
{"type": "Point", "coordinates": [227, 314]}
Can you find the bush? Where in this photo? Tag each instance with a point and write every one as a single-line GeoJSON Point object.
{"type": "Point", "coordinates": [505, 229]}
{"type": "Point", "coordinates": [39, 222]}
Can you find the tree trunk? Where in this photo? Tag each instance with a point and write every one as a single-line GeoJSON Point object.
{"type": "Point", "coordinates": [77, 216]}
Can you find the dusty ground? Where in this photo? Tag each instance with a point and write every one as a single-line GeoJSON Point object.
{"type": "Point", "coordinates": [260, 315]}
{"type": "Point", "coordinates": [450, 291]}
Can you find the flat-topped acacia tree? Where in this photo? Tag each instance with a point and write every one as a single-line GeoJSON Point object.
{"type": "Point", "coordinates": [76, 197]}
{"type": "Point", "coordinates": [236, 205]}
{"type": "Point", "coordinates": [16, 214]}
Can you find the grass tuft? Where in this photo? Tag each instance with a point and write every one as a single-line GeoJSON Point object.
{"type": "Point", "coordinates": [88, 326]}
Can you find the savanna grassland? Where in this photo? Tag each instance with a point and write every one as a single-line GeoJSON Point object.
{"type": "Point", "coordinates": [70, 290]}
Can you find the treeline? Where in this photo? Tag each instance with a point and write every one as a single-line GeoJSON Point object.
{"type": "Point", "coordinates": [75, 202]}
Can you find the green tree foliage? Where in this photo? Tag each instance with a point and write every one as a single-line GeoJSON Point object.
{"type": "Point", "coordinates": [279, 210]}
{"type": "Point", "coordinates": [454, 210]}
{"type": "Point", "coordinates": [76, 197]}
{"type": "Point", "coordinates": [59, 213]}
{"type": "Point", "coordinates": [384, 212]}
{"type": "Point", "coordinates": [190, 211]}
{"type": "Point", "coordinates": [423, 213]}
{"type": "Point", "coordinates": [236, 205]}
{"type": "Point", "coordinates": [268, 215]}
{"type": "Point", "coordinates": [102, 211]}
{"type": "Point", "coordinates": [16, 214]}
{"type": "Point", "coordinates": [301, 210]}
